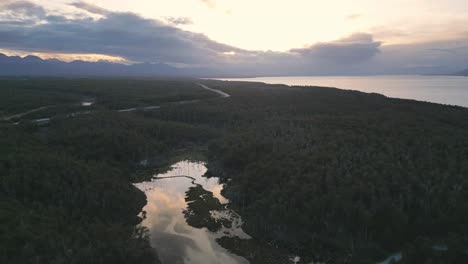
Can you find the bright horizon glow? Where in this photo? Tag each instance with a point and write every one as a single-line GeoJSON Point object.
{"type": "Point", "coordinates": [284, 25]}
{"type": "Point", "coordinates": [65, 57]}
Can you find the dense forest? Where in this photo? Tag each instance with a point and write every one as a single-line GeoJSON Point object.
{"type": "Point", "coordinates": [65, 187]}
{"type": "Point", "coordinates": [341, 176]}
{"type": "Point", "coordinates": [331, 175]}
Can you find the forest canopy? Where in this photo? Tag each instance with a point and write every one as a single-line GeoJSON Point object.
{"type": "Point", "coordinates": [332, 175]}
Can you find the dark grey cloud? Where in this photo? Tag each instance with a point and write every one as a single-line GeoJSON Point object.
{"type": "Point", "coordinates": [21, 12]}
{"type": "Point", "coordinates": [24, 8]}
{"type": "Point", "coordinates": [353, 49]}
{"type": "Point", "coordinates": [445, 56]}
{"type": "Point", "coordinates": [117, 34]}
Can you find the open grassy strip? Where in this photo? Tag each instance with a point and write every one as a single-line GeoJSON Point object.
{"type": "Point", "coordinates": [63, 96]}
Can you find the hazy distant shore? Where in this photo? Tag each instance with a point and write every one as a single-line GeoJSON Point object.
{"type": "Point", "coordinates": [450, 90]}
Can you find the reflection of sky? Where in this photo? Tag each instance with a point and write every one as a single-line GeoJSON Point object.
{"type": "Point", "coordinates": [175, 240]}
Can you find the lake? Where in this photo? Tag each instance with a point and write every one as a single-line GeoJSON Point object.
{"type": "Point", "coordinates": [451, 90]}
{"type": "Point", "coordinates": [165, 217]}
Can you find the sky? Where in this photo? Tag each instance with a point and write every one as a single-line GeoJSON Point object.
{"type": "Point", "coordinates": [257, 36]}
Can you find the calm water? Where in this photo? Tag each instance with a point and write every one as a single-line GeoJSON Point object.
{"type": "Point", "coordinates": [175, 240]}
{"type": "Point", "coordinates": [450, 90]}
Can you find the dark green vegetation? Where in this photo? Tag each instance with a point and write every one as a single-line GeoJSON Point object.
{"type": "Point", "coordinates": [61, 96]}
{"type": "Point", "coordinates": [256, 251]}
{"type": "Point", "coordinates": [65, 188]}
{"type": "Point", "coordinates": [339, 175]}
{"type": "Point", "coordinates": [332, 175]}
{"type": "Point", "coordinates": [200, 203]}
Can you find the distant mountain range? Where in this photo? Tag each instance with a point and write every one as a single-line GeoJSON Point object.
{"type": "Point", "coordinates": [35, 66]}
{"type": "Point", "coordinates": [463, 73]}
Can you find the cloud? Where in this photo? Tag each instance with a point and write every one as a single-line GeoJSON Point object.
{"type": "Point", "coordinates": [94, 9]}
{"type": "Point", "coordinates": [179, 20]}
{"type": "Point", "coordinates": [435, 30]}
{"type": "Point", "coordinates": [353, 16]}
{"type": "Point", "coordinates": [114, 34]}
{"type": "Point", "coordinates": [138, 39]}
{"type": "Point", "coordinates": [430, 57]}
{"type": "Point", "coordinates": [356, 48]}
{"type": "Point", "coordinates": [21, 12]}
{"type": "Point", "coordinates": [209, 3]}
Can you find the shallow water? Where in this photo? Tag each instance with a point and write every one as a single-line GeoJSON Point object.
{"type": "Point", "coordinates": [175, 240]}
{"type": "Point", "coordinates": [452, 90]}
